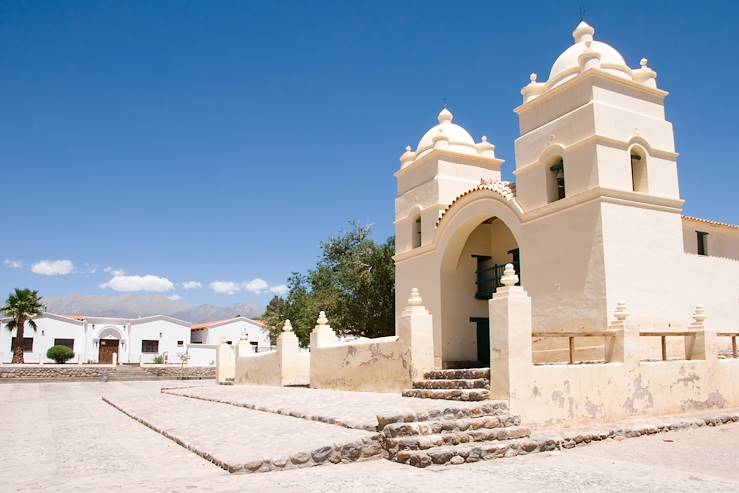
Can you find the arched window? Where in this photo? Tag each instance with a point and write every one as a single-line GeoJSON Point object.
{"type": "Point", "coordinates": [638, 171]}
{"type": "Point", "coordinates": [417, 232]}
{"type": "Point", "coordinates": [556, 180]}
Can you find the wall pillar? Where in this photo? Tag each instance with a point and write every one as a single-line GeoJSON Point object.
{"type": "Point", "coordinates": [702, 345]}
{"type": "Point", "coordinates": [510, 341]}
{"type": "Point", "coordinates": [287, 349]}
{"type": "Point", "coordinates": [225, 362]}
{"type": "Point", "coordinates": [416, 335]}
{"type": "Point", "coordinates": [624, 346]}
{"type": "Point", "coordinates": [322, 334]}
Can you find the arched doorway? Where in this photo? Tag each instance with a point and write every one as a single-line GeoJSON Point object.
{"type": "Point", "coordinates": [477, 236]}
{"type": "Point", "coordinates": [109, 343]}
{"type": "Point", "coordinates": [468, 282]}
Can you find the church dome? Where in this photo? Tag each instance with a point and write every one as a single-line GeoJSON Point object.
{"type": "Point", "coordinates": [568, 63]}
{"type": "Point", "coordinates": [458, 138]}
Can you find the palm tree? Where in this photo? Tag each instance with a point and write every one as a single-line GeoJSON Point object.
{"type": "Point", "coordinates": [22, 306]}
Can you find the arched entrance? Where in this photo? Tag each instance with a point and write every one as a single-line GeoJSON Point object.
{"type": "Point", "coordinates": [109, 343]}
{"type": "Point", "coordinates": [480, 237]}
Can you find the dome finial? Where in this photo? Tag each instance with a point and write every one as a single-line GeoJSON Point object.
{"type": "Point", "coordinates": [445, 115]}
{"type": "Point", "coordinates": [583, 32]}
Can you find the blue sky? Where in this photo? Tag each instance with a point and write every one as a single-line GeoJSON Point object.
{"type": "Point", "coordinates": [222, 141]}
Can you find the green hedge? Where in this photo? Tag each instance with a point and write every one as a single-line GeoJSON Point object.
{"type": "Point", "coordinates": [60, 354]}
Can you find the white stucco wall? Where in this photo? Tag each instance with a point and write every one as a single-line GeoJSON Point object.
{"type": "Point", "coordinates": [232, 331]}
{"type": "Point", "coordinates": [49, 328]}
{"type": "Point", "coordinates": [722, 241]}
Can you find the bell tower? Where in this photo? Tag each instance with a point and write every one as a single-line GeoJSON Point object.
{"type": "Point", "coordinates": [596, 127]}
{"type": "Point", "coordinates": [446, 163]}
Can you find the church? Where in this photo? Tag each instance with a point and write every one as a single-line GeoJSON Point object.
{"type": "Point", "coordinates": [594, 216]}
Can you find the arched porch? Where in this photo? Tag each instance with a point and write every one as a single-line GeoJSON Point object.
{"type": "Point", "coordinates": [477, 237]}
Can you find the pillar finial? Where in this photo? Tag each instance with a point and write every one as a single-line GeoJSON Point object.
{"type": "Point", "coordinates": [287, 327]}
{"type": "Point", "coordinates": [322, 319]}
{"type": "Point", "coordinates": [509, 276]}
{"type": "Point", "coordinates": [621, 313]}
{"type": "Point", "coordinates": [415, 298]}
{"type": "Point", "coordinates": [699, 315]}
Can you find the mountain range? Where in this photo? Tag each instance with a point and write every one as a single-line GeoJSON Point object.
{"type": "Point", "coordinates": [134, 306]}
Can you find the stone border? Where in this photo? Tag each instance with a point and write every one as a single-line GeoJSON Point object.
{"type": "Point", "coordinates": [360, 450]}
{"type": "Point", "coordinates": [61, 372]}
{"type": "Point", "coordinates": [187, 373]}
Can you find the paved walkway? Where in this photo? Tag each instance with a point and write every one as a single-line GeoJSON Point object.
{"type": "Point", "coordinates": [241, 440]}
{"type": "Point", "coordinates": [351, 409]}
{"type": "Point", "coordinates": [63, 437]}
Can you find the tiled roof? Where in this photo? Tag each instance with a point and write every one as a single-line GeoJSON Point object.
{"type": "Point", "coordinates": [708, 221]}
{"type": "Point", "coordinates": [505, 189]}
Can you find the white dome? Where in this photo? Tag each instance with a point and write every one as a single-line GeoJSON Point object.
{"type": "Point", "coordinates": [459, 139]}
{"type": "Point", "coordinates": [567, 65]}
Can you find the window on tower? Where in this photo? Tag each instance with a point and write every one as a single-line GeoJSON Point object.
{"type": "Point", "coordinates": [638, 171]}
{"type": "Point", "coordinates": [556, 180]}
{"type": "Point", "coordinates": [417, 232]}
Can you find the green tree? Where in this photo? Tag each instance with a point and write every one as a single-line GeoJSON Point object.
{"type": "Point", "coordinates": [353, 282]}
{"type": "Point", "coordinates": [22, 306]}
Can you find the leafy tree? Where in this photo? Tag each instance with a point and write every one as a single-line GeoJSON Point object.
{"type": "Point", "coordinates": [353, 282]}
{"type": "Point", "coordinates": [22, 306]}
{"type": "Point", "coordinates": [60, 354]}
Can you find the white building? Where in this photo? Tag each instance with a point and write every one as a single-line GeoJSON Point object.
{"type": "Point", "coordinates": [212, 333]}
{"type": "Point", "coordinates": [96, 339]}
{"type": "Point", "coordinates": [595, 215]}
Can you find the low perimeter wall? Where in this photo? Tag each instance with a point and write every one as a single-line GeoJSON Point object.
{"type": "Point", "coordinates": [175, 371]}
{"type": "Point", "coordinates": [68, 372]}
{"type": "Point", "coordinates": [384, 364]}
{"type": "Point", "coordinates": [287, 365]}
{"type": "Point", "coordinates": [622, 387]}
{"type": "Point", "coordinates": [375, 365]}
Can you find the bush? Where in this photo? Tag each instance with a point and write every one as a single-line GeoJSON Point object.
{"type": "Point", "coordinates": [159, 359]}
{"type": "Point", "coordinates": [60, 354]}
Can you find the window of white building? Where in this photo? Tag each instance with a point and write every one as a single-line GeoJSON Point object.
{"type": "Point", "coordinates": [149, 346]}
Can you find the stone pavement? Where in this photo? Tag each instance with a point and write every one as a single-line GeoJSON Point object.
{"type": "Point", "coordinates": [241, 440]}
{"type": "Point", "coordinates": [350, 409]}
{"type": "Point", "coordinates": [63, 437]}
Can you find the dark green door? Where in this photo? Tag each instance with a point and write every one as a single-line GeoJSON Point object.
{"type": "Point", "coordinates": [483, 339]}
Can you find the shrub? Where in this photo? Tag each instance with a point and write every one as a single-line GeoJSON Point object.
{"type": "Point", "coordinates": [159, 359]}
{"type": "Point", "coordinates": [60, 354]}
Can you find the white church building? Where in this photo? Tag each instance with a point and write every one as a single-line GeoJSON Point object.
{"type": "Point", "coordinates": [135, 340]}
{"type": "Point", "coordinates": [594, 216]}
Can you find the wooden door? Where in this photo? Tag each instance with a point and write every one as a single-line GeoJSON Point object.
{"type": "Point", "coordinates": [107, 348]}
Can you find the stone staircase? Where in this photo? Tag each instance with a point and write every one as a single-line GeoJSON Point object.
{"type": "Point", "coordinates": [455, 436]}
{"type": "Point", "coordinates": [470, 384]}
{"type": "Point", "coordinates": [126, 373]}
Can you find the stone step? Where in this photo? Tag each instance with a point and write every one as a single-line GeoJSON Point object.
{"type": "Point", "coordinates": [448, 394]}
{"type": "Point", "coordinates": [395, 445]}
{"type": "Point", "coordinates": [438, 426]}
{"type": "Point", "coordinates": [454, 374]}
{"type": "Point", "coordinates": [462, 383]}
{"type": "Point", "coordinates": [452, 412]}
{"type": "Point", "coordinates": [473, 451]}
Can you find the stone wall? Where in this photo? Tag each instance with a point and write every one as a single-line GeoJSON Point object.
{"type": "Point", "coordinates": [190, 372]}
{"type": "Point", "coordinates": [68, 372]}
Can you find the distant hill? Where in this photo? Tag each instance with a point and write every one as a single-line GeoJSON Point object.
{"type": "Point", "coordinates": [134, 306]}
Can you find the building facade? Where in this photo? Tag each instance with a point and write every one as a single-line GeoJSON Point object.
{"type": "Point", "coordinates": [231, 329]}
{"type": "Point", "coordinates": [138, 340]}
{"type": "Point", "coordinates": [594, 217]}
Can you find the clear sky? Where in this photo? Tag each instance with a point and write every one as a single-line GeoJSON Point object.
{"type": "Point", "coordinates": [222, 141]}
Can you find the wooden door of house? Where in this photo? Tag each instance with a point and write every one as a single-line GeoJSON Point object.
{"type": "Point", "coordinates": [107, 348]}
